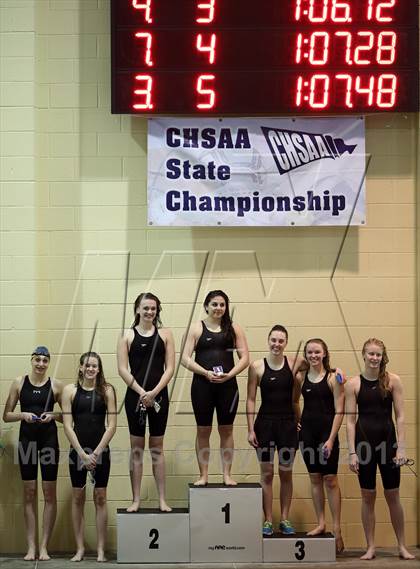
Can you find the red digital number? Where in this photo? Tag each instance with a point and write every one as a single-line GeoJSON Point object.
{"type": "Point", "coordinates": [349, 85]}
{"type": "Point", "coordinates": [210, 94]}
{"type": "Point", "coordinates": [379, 16]}
{"type": "Point", "coordinates": [390, 49]}
{"type": "Point", "coordinates": [210, 48]}
{"type": "Point", "coordinates": [341, 12]}
{"type": "Point", "coordinates": [368, 90]}
{"type": "Point", "coordinates": [299, 91]}
{"type": "Point", "coordinates": [322, 48]}
{"type": "Point", "coordinates": [386, 44]}
{"type": "Point", "coordinates": [209, 6]}
{"type": "Point", "coordinates": [321, 10]}
{"type": "Point", "coordinates": [389, 92]}
{"type": "Point", "coordinates": [322, 15]}
{"type": "Point", "coordinates": [379, 91]}
{"type": "Point", "coordinates": [145, 93]}
{"type": "Point", "coordinates": [349, 41]}
{"type": "Point", "coordinates": [148, 54]}
{"type": "Point", "coordinates": [146, 6]}
{"type": "Point", "coordinates": [319, 91]}
{"type": "Point", "coordinates": [371, 40]}
{"type": "Point", "coordinates": [385, 90]}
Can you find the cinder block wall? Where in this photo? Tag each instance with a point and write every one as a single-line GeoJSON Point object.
{"type": "Point", "coordinates": [73, 199]}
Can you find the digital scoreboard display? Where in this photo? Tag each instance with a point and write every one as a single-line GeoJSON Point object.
{"type": "Point", "coordinates": [254, 57]}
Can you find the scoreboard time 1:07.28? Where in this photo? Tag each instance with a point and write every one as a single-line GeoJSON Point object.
{"type": "Point", "coordinates": [264, 56]}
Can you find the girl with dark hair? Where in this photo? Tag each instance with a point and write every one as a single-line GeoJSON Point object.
{"type": "Point", "coordinates": [275, 427]}
{"type": "Point", "coordinates": [87, 405]}
{"type": "Point", "coordinates": [38, 443]}
{"type": "Point", "coordinates": [373, 442]}
{"type": "Point", "coordinates": [146, 362]}
{"type": "Point", "coordinates": [323, 409]}
{"type": "Point", "coordinates": [214, 384]}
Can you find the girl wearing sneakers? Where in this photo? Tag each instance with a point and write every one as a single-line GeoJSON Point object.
{"type": "Point", "coordinates": [323, 409]}
{"type": "Point", "coordinates": [275, 427]}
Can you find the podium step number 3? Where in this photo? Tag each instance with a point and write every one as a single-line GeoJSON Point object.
{"type": "Point", "coordinates": [299, 548]}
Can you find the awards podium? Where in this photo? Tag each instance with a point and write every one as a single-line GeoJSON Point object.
{"type": "Point", "coordinates": [223, 525]}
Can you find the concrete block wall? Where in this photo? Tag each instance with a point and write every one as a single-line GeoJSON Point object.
{"type": "Point", "coordinates": [73, 198]}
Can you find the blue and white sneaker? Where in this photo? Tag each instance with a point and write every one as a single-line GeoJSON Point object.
{"type": "Point", "coordinates": [267, 528]}
{"type": "Point", "coordinates": [286, 528]}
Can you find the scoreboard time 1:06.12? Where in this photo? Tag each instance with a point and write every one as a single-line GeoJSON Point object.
{"type": "Point", "coordinates": [264, 56]}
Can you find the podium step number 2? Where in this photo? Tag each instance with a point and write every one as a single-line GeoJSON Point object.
{"type": "Point", "coordinates": [151, 536]}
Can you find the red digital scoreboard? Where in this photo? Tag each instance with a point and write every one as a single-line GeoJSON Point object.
{"type": "Point", "coordinates": [254, 57]}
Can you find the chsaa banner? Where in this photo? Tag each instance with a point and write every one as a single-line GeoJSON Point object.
{"type": "Point", "coordinates": [256, 172]}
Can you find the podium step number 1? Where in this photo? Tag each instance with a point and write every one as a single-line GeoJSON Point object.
{"type": "Point", "coordinates": [225, 523]}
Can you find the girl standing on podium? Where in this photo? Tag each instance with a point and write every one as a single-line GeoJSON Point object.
{"type": "Point", "coordinates": [275, 427]}
{"type": "Point", "coordinates": [146, 362]}
{"type": "Point", "coordinates": [373, 441]}
{"type": "Point", "coordinates": [87, 405]}
{"type": "Point", "coordinates": [214, 385]}
{"type": "Point", "coordinates": [323, 410]}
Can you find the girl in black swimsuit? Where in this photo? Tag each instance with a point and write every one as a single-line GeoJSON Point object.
{"type": "Point", "coordinates": [323, 396]}
{"type": "Point", "coordinates": [146, 362]}
{"type": "Point", "coordinates": [87, 406]}
{"type": "Point", "coordinates": [214, 385]}
{"type": "Point", "coordinates": [275, 427]}
{"type": "Point", "coordinates": [38, 442]}
{"type": "Point", "coordinates": [373, 441]}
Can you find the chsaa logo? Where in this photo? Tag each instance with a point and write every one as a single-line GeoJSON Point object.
{"type": "Point", "coordinates": [292, 149]}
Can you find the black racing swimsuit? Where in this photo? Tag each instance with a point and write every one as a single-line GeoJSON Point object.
{"type": "Point", "coordinates": [38, 439]}
{"type": "Point", "coordinates": [376, 441]}
{"type": "Point", "coordinates": [213, 349]}
{"type": "Point", "coordinates": [275, 425]}
{"type": "Point", "coordinates": [147, 365]}
{"type": "Point", "coordinates": [89, 414]}
{"type": "Point", "coordinates": [317, 420]}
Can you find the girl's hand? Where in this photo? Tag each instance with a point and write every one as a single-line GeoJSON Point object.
{"type": "Point", "coordinates": [354, 463]}
{"type": "Point", "coordinates": [400, 458]}
{"type": "Point", "coordinates": [88, 460]}
{"type": "Point", "coordinates": [47, 417]}
{"type": "Point", "coordinates": [148, 398]}
{"type": "Point", "coordinates": [29, 417]}
{"type": "Point", "coordinates": [220, 377]}
{"type": "Point", "coordinates": [327, 448]}
{"type": "Point", "coordinates": [212, 377]}
{"type": "Point", "coordinates": [252, 439]}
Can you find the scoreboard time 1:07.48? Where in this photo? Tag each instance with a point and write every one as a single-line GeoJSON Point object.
{"type": "Point", "coordinates": [264, 56]}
